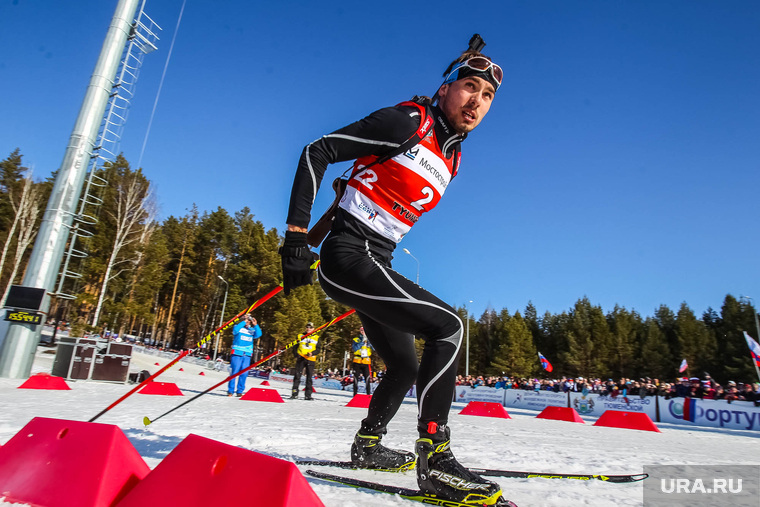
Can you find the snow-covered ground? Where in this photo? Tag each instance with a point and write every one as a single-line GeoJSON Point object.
{"type": "Point", "coordinates": [324, 428]}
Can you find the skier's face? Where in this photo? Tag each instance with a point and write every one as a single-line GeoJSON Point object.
{"type": "Point", "coordinates": [465, 102]}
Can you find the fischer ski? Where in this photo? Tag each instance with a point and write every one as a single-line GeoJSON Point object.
{"type": "Point", "coordinates": [541, 475]}
{"type": "Point", "coordinates": [495, 473]}
{"type": "Point", "coordinates": [351, 465]}
{"type": "Point", "coordinates": [408, 493]}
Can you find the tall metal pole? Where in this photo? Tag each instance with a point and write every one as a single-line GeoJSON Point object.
{"type": "Point", "coordinates": [221, 317]}
{"type": "Point", "coordinates": [20, 344]}
{"type": "Point", "coordinates": [467, 351]}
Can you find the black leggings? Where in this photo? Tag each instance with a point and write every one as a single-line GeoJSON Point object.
{"type": "Point", "coordinates": [393, 310]}
{"type": "Point", "coordinates": [361, 369]}
{"type": "Point", "coordinates": [303, 364]}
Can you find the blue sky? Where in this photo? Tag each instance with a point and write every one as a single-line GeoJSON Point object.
{"type": "Point", "coordinates": [619, 160]}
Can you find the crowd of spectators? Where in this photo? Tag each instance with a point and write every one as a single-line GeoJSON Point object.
{"type": "Point", "coordinates": [347, 380]}
{"type": "Point", "coordinates": [694, 387]}
{"type": "Point", "coordinates": [625, 388]}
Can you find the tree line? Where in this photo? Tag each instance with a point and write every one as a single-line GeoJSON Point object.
{"type": "Point", "coordinates": [168, 280]}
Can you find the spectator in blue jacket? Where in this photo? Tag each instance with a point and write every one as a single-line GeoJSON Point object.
{"type": "Point", "coordinates": [243, 335]}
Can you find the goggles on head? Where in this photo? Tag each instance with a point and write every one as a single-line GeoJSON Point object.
{"type": "Point", "coordinates": [478, 66]}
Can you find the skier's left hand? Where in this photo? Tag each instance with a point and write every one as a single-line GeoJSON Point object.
{"type": "Point", "coordinates": [296, 261]}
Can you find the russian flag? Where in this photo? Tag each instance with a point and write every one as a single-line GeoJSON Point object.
{"type": "Point", "coordinates": [545, 362]}
{"type": "Point", "coordinates": [689, 409]}
{"type": "Point", "coordinates": [753, 345]}
{"type": "Point", "coordinates": [755, 358]}
{"type": "Point", "coordinates": [683, 366]}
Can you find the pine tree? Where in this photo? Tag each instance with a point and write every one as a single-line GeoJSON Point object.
{"type": "Point", "coordinates": [655, 357]}
{"type": "Point", "coordinates": [694, 340]}
{"type": "Point", "coordinates": [624, 335]}
{"type": "Point", "coordinates": [517, 355]}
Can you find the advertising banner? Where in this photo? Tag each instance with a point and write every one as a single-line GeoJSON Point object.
{"type": "Point", "coordinates": [466, 394]}
{"type": "Point", "coordinates": [281, 377]}
{"type": "Point", "coordinates": [738, 415]}
{"type": "Point", "coordinates": [595, 404]}
{"type": "Point", "coordinates": [534, 400]}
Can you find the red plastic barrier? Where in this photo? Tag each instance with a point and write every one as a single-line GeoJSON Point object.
{"type": "Point", "coordinates": [568, 414]}
{"type": "Point", "coordinates": [161, 388]}
{"type": "Point", "coordinates": [258, 394]}
{"type": "Point", "coordinates": [628, 420]}
{"type": "Point", "coordinates": [359, 401]}
{"type": "Point", "coordinates": [54, 462]}
{"type": "Point", "coordinates": [201, 472]}
{"type": "Point", "coordinates": [485, 408]}
{"type": "Point", "coordinates": [45, 381]}
{"type": "Point", "coordinates": [264, 383]}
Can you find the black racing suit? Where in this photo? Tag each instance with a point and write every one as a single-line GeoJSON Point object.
{"type": "Point", "coordinates": [356, 271]}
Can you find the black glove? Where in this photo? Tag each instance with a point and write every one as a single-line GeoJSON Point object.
{"type": "Point", "coordinates": [296, 261]}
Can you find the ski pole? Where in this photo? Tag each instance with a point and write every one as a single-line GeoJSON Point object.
{"type": "Point", "coordinates": [208, 337]}
{"type": "Point", "coordinates": [147, 420]}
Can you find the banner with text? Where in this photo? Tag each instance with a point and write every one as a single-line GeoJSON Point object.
{"type": "Point", "coordinates": [738, 415]}
{"type": "Point", "coordinates": [466, 394]}
{"type": "Point", "coordinates": [534, 400]}
{"type": "Point", "coordinates": [596, 405]}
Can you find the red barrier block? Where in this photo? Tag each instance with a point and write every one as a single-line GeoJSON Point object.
{"type": "Point", "coordinates": [486, 409]}
{"type": "Point", "coordinates": [258, 394]}
{"type": "Point", "coordinates": [264, 383]}
{"type": "Point", "coordinates": [313, 389]}
{"type": "Point", "coordinates": [69, 464]}
{"type": "Point", "coordinates": [181, 369]}
{"type": "Point", "coordinates": [161, 388]}
{"type": "Point", "coordinates": [628, 420]}
{"type": "Point", "coordinates": [200, 472]}
{"type": "Point", "coordinates": [561, 414]}
{"type": "Point", "coordinates": [157, 364]}
{"type": "Point", "coordinates": [359, 401]}
{"type": "Point", "coordinates": [45, 381]}
{"type": "Point", "coordinates": [201, 373]}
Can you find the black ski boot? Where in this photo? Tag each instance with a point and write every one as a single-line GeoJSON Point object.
{"type": "Point", "coordinates": [441, 476]}
{"type": "Point", "coordinates": [368, 452]}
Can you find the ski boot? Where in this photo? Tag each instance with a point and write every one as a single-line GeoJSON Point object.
{"type": "Point", "coordinates": [368, 452]}
{"type": "Point", "coordinates": [441, 476]}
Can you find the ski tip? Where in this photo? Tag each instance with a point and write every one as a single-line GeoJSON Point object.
{"type": "Point", "coordinates": [146, 421]}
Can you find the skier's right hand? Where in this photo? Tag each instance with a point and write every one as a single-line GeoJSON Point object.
{"type": "Point", "coordinates": [296, 261]}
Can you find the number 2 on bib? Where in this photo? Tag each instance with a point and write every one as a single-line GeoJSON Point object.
{"type": "Point", "coordinates": [366, 177]}
{"type": "Point", "coordinates": [419, 203]}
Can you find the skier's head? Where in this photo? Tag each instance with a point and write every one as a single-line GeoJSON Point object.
{"type": "Point", "coordinates": [474, 63]}
{"type": "Point", "coordinates": [469, 86]}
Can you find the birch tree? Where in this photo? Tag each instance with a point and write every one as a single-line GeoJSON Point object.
{"type": "Point", "coordinates": [25, 221]}
{"type": "Point", "coordinates": [127, 214]}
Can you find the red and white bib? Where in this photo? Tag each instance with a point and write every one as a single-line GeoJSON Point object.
{"type": "Point", "coordinates": [389, 197]}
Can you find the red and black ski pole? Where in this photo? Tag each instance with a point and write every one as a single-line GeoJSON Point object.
{"type": "Point", "coordinates": [198, 345]}
{"type": "Point", "coordinates": [147, 420]}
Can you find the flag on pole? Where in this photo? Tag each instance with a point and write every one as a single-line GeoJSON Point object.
{"type": "Point", "coordinates": [545, 362]}
{"type": "Point", "coordinates": [752, 344]}
{"type": "Point", "coordinates": [683, 366]}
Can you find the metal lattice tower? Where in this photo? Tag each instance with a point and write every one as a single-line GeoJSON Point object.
{"type": "Point", "coordinates": [142, 40]}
